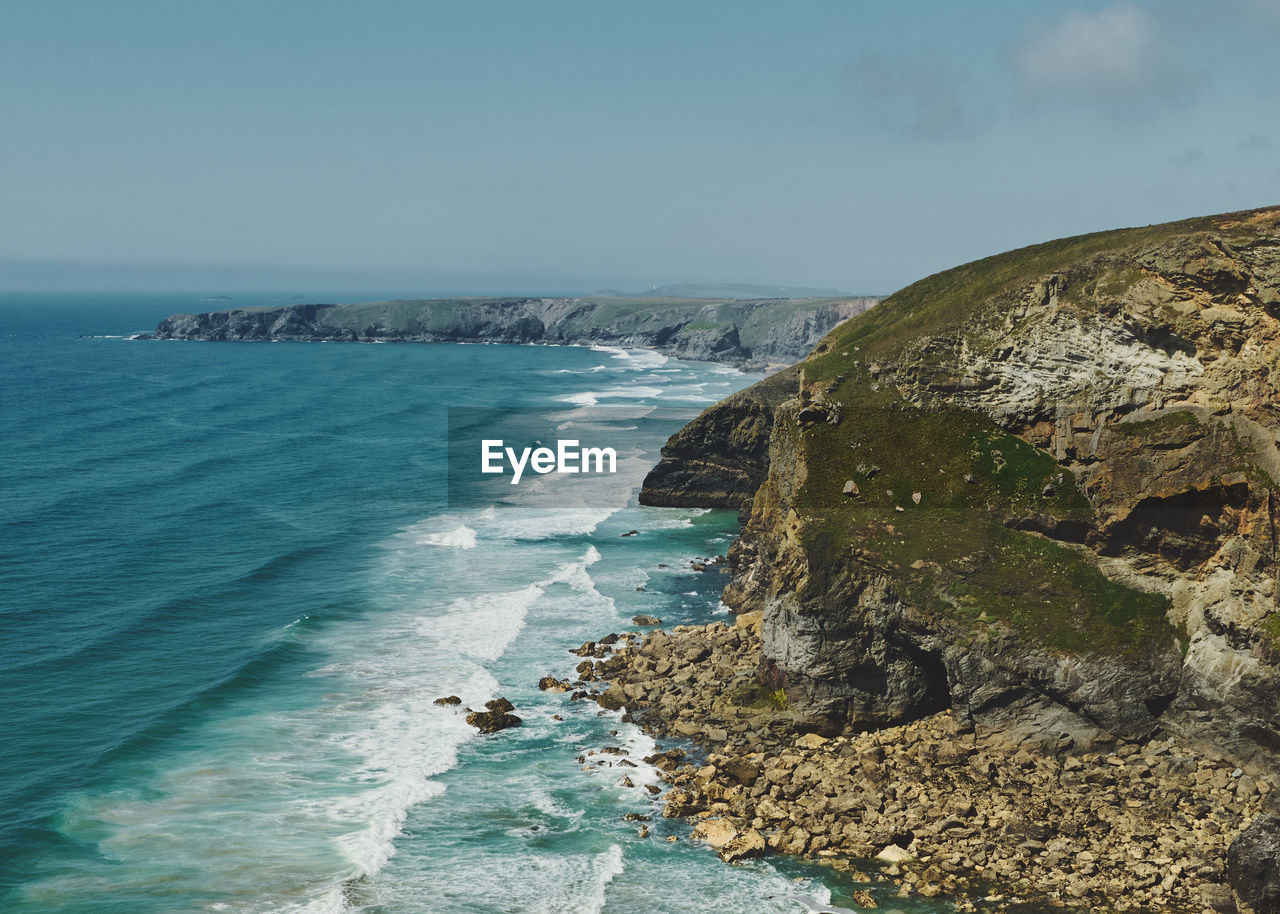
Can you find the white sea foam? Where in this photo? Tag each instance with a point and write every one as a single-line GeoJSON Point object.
{"type": "Point", "coordinates": [585, 884]}
{"type": "Point", "coordinates": [481, 627]}
{"type": "Point", "coordinates": [634, 392]}
{"type": "Point", "coordinates": [460, 537]}
{"type": "Point", "coordinates": [517, 523]}
{"type": "Point", "coordinates": [584, 399]}
{"type": "Point", "coordinates": [333, 900]}
{"type": "Point", "coordinates": [672, 518]}
{"type": "Point", "coordinates": [545, 803]}
{"type": "Point", "coordinates": [635, 359]}
{"type": "Point", "coordinates": [627, 392]}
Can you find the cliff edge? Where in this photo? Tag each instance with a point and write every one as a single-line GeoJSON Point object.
{"type": "Point", "coordinates": [1039, 489]}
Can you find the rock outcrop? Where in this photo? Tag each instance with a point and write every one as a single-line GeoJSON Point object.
{"type": "Point", "coordinates": [721, 460]}
{"type": "Point", "coordinates": [755, 333]}
{"type": "Point", "coordinates": [1253, 865]}
{"type": "Point", "coordinates": [1062, 517]}
{"type": "Point", "coordinates": [496, 716]}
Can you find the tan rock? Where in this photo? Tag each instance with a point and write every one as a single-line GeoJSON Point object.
{"type": "Point", "coordinates": [894, 854]}
{"type": "Point", "coordinates": [811, 741]}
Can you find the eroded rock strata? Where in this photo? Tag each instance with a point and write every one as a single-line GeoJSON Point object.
{"type": "Point", "coordinates": [1035, 495]}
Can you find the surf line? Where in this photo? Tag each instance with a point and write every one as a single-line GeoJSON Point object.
{"type": "Point", "coordinates": [567, 457]}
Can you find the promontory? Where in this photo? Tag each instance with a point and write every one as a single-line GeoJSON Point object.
{"type": "Point", "coordinates": [747, 332]}
{"type": "Point", "coordinates": [1007, 585]}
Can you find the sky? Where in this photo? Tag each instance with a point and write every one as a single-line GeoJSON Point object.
{"type": "Point", "coordinates": [552, 146]}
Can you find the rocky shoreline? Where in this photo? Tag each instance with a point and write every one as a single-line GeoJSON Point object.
{"type": "Point", "coordinates": [937, 807]}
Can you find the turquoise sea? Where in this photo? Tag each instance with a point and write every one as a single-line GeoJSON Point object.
{"type": "Point", "coordinates": [231, 588]}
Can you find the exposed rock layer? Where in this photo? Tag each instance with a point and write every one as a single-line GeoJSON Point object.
{"type": "Point", "coordinates": [1039, 489]}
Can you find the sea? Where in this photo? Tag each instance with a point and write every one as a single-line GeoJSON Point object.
{"type": "Point", "coordinates": [233, 583]}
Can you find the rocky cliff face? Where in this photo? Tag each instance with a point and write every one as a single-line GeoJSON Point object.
{"type": "Point", "coordinates": [721, 460]}
{"type": "Point", "coordinates": [1040, 489]}
{"type": "Point", "coordinates": [758, 333]}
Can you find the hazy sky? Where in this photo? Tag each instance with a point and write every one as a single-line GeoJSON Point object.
{"type": "Point", "coordinates": [553, 145]}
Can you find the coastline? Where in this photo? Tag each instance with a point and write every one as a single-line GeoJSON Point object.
{"type": "Point", "coordinates": [935, 807]}
{"type": "Point", "coordinates": [752, 334]}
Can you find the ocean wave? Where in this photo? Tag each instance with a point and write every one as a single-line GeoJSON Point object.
{"type": "Point", "coordinates": [637, 392]}
{"type": "Point", "coordinates": [583, 882]}
{"type": "Point", "coordinates": [637, 359]}
{"type": "Point", "coordinates": [671, 518]}
{"type": "Point", "coordinates": [584, 399]}
{"type": "Point", "coordinates": [460, 537]}
{"type": "Point", "coordinates": [518, 523]}
{"type": "Point", "coordinates": [481, 627]}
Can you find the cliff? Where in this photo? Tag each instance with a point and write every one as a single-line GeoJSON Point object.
{"type": "Point", "coordinates": [1039, 489]}
{"type": "Point", "coordinates": [756, 333]}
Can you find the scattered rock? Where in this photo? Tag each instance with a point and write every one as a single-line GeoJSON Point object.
{"type": "Point", "coordinates": [493, 721]}
{"type": "Point", "coordinates": [935, 798]}
{"type": "Point", "coordinates": [645, 620]}
{"type": "Point", "coordinates": [865, 899]}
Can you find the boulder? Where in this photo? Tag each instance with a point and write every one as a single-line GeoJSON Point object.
{"type": "Point", "coordinates": [894, 854]}
{"type": "Point", "coordinates": [1253, 866]}
{"type": "Point", "coordinates": [728, 841]}
{"type": "Point", "coordinates": [613, 698]}
{"type": "Point", "coordinates": [497, 717]}
{"type": "Point", "coordinates": [492, 721]}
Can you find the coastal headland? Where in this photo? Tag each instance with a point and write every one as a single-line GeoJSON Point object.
{"type": "Point", "coordinates": [751, 333]}
{"type": "Point", "coordinates": [1006, 586]}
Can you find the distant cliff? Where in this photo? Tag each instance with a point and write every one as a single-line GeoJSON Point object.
{"type": "Point", "coordinates": [757, 333]}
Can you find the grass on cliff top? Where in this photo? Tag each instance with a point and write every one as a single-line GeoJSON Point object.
{"type": "Point", "coordinates": [953, 551]}
{"type": "Point", "coordinates": [949, 298]}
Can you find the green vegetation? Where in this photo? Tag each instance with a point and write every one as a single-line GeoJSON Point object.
{"type": "Point", "coordinates": [952, 550]}
{"type": "Point", "coordinates": [1271, 626]}
{"type": "Point", "coordinates": [763, 699]}
{"type": "Point", "coordinates": [1162, 428]}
